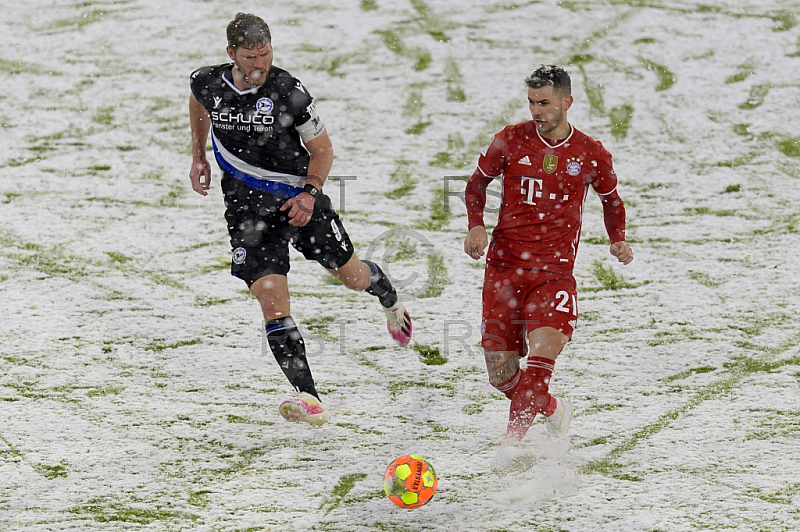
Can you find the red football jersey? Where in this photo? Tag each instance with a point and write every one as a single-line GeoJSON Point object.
{"type": "Point", "coordinates": [544, 188]}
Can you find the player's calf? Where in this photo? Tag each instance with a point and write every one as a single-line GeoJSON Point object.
{"type": "Point", "coordinates": [531, 396]}
{"type": "Point", "coordinates": [503, 369]}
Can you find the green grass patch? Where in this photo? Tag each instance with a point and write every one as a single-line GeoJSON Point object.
{"type": "Point", "coordinates": [340, 490]}
{"type": "Point", "coordinates": [437, 276]}
{"type": "Point", "coordinates": [785, 20]}
{"type": "Point", "coordinates": [621, 120]}
{"type": "Point", "coordinates": [395, 387]}
{"type": "Point", "coordinates": [699, 211]}
{"type": "Point", "coordinates": [666, 78]}
{"type": "Point", "coordinates": [430, 22]}
{"type": "Point", "coordinates": [158, 346]}
{"type": "Point", "coordinates": [594, 91]}
{"type": "Point", "coordinates": [797, 53]}
{"type": "Point", "coordinates": [205, 301]}
{"type": "Point", "coordinates": [689, 372]}
{"type": "Point", "coordinates": [608, 278]}
{"type": "Point", "coordinates": [414, 103]}
{"type": "Point", "coordinates": [392, 41]}
{"type": "Point", "coordinates": [109, 390]}
{"type": "Point", "coordinates": [319, 327]}
{"type": "Point", "coordinates": [170, 199]}
{"type": "Point", "coordinates": [704, 279]}
{"type": "Point", "coordinates": [104, 116]}
{"type": "Point", "coordinates": [418, 128]}
{"type": "Point", "coordinates": [439, 212]}
{"type": "Point", "coordinates": [200, 498]}
{"type": "Point", "coordinates": [744, 72]}
{"type": "Point", "coordinates": [51, 472]}
{"type": "Point", "coordinates": [369, 5]}
{"type": "Point", "coordinates": [455, 92]}
{"type": "Point", "coordinates": [757, 95]}
{"type": "Point", "coordinates": [331, 65]}
{"type": "Point", "coordinates": [743, 130]}
{"type": "Point", "coordinates": [421, 57]}
{"type": "Point", "coordinates": [50, 261]}
{"type": "Point", "coordinates": [742, 160]}
{"type": "Point", "coordinates": [429, 355]}
{"type": "Point", "coordinates": [89, 17]}
{"type": "Point", "coordinates": [790, 147]}
{"type": "Point", "coordinates": [118, 257]}
{"type": "Point", "coordinates": [455, 144]}
{"type": "Point", "coordinates": [103, 511]}
{"type": "Point", "coordinates": [22, 162]}
{"type": "Point", "coordinates": [231, 418]}
{"type": "Point", "coordinates": [460, 154]}
{"type": "Point", "coordinates": [18, 67]}
{"type": "Point", "coordinates": [11, 196]}
{"type": "Point", "coordinates": [403, 176]}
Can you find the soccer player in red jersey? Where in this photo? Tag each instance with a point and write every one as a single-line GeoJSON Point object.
{"type": "Point", "coordinates": [529, 292]}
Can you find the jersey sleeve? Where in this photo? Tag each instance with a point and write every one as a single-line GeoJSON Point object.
{"type": "Point", "coordinates": [604, 179]}
{"type": "Point", "coordinates": [604, 182]}
{"type": "Point", "coordinates": [492, 160]}
{"type": "Point", "coordinates": [307, 121]}
{"type": "Point", "coordinates": [490, 165]}
{"type": "Point", "coordinates": [198, 83]}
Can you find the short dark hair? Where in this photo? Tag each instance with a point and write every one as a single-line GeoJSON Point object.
{"type": "Point", "coordinates": [249, 31]}
{"type": "Point", "coordinates": [550, 75]}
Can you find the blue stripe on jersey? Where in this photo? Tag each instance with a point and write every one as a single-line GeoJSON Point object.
{"type": "Point", "coordinates": [264, 185]}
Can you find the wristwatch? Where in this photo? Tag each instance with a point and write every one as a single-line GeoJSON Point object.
{"type": "Point", "coordinates": [311, 189]}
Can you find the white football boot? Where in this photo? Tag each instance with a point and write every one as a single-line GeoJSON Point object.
{"type": "Point", "coordinates": [558, 422]}
{"type": "Point", "coordinates": [398, 322]}
{"type": "Point", "coordinates": [305, 408]}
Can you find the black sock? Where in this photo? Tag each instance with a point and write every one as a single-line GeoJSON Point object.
{"type": "Point", "coordinates": [289, 350]}
{"type": "Point", "coordinates": [380, 286]}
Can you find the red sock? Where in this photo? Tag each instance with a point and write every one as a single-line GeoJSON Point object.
{"type": "Point", "coordinates": [510, 385]}
{"type": "Point", "coordinates": [531, 397]}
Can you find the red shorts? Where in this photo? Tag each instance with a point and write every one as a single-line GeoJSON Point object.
{"type": "Point", "coordinates": [517, 301]}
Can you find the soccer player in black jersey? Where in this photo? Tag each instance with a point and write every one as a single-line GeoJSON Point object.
{"type": "Point", "coordinates": [275, 155]}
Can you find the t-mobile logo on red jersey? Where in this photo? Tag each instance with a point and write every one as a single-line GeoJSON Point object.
{"type": "Point", "coordinates": [533, 189]}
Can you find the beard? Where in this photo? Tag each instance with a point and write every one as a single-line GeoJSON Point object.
{"type": "Point", "coordinates": [255, 77]}
{"type": "Point", "coordinates": [550, 124]}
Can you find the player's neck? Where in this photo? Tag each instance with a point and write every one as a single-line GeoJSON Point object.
{"type": "Point", "coordinates": [240, 81]}
{"type": "Point", "coordinates": [558, 135]}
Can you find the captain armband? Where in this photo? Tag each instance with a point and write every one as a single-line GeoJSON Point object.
{"type": "Point", "coordinates": [313, 127]}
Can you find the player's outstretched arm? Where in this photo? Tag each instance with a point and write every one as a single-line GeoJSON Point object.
{"type": "Point", "coordinates": [623, 252]}
{"type": "Point", "coordinates": [200, 123]}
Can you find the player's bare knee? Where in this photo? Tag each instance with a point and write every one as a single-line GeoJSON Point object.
{"type": "Point", "coordinates": [359, 283]}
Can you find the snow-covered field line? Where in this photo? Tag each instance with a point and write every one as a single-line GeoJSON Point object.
{"type": "Point", "coordinates": [134, 390]}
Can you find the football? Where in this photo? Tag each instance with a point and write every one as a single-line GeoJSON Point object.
{"type": "Point", "coordinates": [410, 481]}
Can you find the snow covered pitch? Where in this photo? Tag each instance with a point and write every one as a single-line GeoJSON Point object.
{"type": "Point", "coordinates": [134, 394]}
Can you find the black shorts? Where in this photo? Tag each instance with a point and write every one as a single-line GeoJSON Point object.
{"type": "Point", "coordinates": [261, 234]}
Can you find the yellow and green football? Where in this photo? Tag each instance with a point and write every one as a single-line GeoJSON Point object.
{"type": "Point", "coordinates": [410, 481]}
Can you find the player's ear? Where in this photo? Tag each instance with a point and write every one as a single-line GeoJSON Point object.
{"type": "Point", "coordinates": [231, 53]}
{"type": "Point", "coordinates": [568, 99]}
